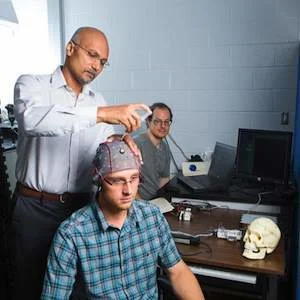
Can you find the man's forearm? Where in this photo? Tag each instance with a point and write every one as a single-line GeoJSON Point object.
{"type": "Point", "coordinates": [184, 282]}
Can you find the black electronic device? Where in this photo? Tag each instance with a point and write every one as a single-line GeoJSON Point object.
{"type": "Point", "coordinates": [185, 238]}
{"type": "Point", "coordinates": [10, 113]}
{"type": "Point", "coordinates": [263, 156]}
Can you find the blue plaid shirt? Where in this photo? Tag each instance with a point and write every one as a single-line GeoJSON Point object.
{"type": "Point", "coordinates": [115, 264]}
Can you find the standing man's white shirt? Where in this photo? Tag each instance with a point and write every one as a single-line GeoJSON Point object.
{"type": "Point", "coordinates": [46, 107]}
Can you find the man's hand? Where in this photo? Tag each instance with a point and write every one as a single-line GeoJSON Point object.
{"type": "Point", "coordinates": [133, 147]}
{"type": "Point", "coordinates": [122, 114]}
{"type": "Point", "coordinates": [130, 142]}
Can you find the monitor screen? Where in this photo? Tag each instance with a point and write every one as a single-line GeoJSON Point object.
{"type": "Point", "coordinates": [264, 155]}
{"type": "Point", "coordinates": [222, 162]}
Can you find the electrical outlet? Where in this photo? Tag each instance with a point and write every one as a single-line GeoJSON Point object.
{"type": "Point", "coordinates": [284, 118]}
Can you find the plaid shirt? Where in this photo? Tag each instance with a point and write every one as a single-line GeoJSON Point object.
{"type": "Point", "coordinates": [115, 263]}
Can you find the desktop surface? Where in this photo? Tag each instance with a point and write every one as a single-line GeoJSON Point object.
{"type": "Point", "coordinates": [214, 256]}
{"type": "Point", "coordinates": [220, 253]}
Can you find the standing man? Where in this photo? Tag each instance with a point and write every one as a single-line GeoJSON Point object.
{"type": "Point", "coordinates": [155, 151]}
{"type": "Point", "coordinates": [61, 120]}
{"type": "Point", "coordinates": [116, 242]}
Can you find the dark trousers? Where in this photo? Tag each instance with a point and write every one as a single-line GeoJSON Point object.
{"type": "Point", "coordinates": [33, 225]}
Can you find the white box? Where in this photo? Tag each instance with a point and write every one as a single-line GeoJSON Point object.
{"type": "Point", "coordinates": [195, 168]}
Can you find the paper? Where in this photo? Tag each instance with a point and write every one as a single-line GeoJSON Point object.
{"type": "Point", "coordinates": [163, 204]}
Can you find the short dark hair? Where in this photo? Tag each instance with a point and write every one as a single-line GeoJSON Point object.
{"type": "Point", "coordinates": [162, 106]}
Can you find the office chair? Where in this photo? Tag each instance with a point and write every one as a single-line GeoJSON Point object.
{"type": "Point", "coordinates": [165, 289]}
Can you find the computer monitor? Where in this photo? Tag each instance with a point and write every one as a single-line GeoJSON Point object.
{"type": "Point", "coordinates": [222, 162]}
{"type": "Point", "coordinates": [264, 156]}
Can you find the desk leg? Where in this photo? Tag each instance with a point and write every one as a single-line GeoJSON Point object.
{"type": "Point", "coordinates": [272, 292]}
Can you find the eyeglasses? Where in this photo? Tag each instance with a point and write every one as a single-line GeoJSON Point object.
{"type": "Point", "coordinates": [120, 182]}
{"type": "Point", "coordinates": [158, 122]}
{"type": "Point", "coordinates": [93, 55]}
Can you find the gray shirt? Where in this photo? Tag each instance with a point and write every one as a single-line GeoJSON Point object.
{"type": "Point", "coordinates": [156, 165]}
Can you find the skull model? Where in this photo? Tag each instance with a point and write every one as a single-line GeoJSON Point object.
{"type": "Point", "coordinates": [261, 237]}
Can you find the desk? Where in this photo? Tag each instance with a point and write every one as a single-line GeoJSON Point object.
{"type": "Point", "coordinates": [227, 256]}
{"type": "Point", "coordinates": [276, 197]}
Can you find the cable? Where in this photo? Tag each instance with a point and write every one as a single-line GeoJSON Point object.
{"type": "Point", "coordinates": [201, 205]}
{"type": "Point", "coordinates": [172, 139]}
{"type": "Point", "coordinates": [193, 235]}
{"type": "Point", "coordinates": [258, 201]}
{"type": "Point", "coordinates": [172, 156]}
{"type": "Point", "coordinates": [208, 250]}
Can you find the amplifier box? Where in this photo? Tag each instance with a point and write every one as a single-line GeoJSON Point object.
{"type": "Point", "coordinates": [195, 168]}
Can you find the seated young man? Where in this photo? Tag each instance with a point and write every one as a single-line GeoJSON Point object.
{"type": "Point", "coordinates": [155, 151]}
{"type": "Point", "coordinates": [116, 242]}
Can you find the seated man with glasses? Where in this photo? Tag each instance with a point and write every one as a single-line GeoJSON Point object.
{"type": "Point", "coordinates": [155, 151]}
{"type": "Point", "coordinates": [116, 242]}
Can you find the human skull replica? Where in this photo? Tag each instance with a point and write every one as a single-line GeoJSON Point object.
{"type": "Point", "coordinates": [261, 237]}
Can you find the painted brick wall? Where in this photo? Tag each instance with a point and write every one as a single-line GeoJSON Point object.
{"type": "Point", "coordinates": [219, 64]}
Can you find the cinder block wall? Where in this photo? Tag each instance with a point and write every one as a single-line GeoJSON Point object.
{"type": "Point", "coordinates": [219, 64]}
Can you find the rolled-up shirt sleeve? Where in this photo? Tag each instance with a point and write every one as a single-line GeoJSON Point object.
{"type": "Point", "coordinates": [44, 110]}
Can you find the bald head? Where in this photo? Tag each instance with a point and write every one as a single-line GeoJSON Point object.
{"type": "Point", "coordinates": [86, 55]}
{"type": "Point", "coordinates": [82, 33]}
